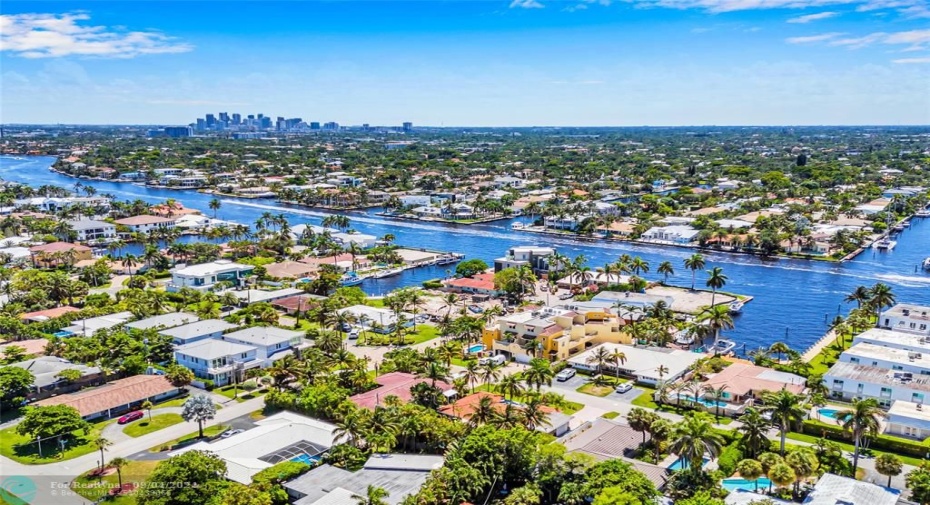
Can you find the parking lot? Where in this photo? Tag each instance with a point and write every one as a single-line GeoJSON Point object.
{"type": "Point", "coordinates": [580, 380]}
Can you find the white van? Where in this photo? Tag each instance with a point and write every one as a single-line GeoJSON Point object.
{"type": "Point", "coordinates": [497, 359]}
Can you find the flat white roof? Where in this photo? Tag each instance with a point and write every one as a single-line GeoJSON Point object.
{"type": "Point", "coordinates": [169, 320]}
{"type": "Point", "coordinates": [198, 328]}
{"type": "Point", "coordinates": [866, 350]}
{"type": "Point", "coordinates": [645, 361]}
{"type": "Point", "coordinates": [884, 336]}
{"type": "Point", "coordinates": [212, 268]}
{"type": "Point", "coordinates": [212, 348]}
{"type": "Point", "coordinates": [263, 335]}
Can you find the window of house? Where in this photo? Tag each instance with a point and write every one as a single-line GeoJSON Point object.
{"type": "Point", "coordinates": [897, 367]}
{"type": "Point", "coordinates": [917, 398]}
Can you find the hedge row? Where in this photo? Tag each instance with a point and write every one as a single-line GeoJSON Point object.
{"type": "Point", "coordinates": [880, 442]}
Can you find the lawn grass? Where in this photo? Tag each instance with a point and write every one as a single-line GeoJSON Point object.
{"type": "Point", "coordinates": [810, 439]}
{"type": "Point", "coordinates": [209, 431]}
{"type": "Point", "coordinates": [462, 362]}
{"type": "Point", "coordinates": [177, 402]}
{"type": "Point", "coordinates": [424, 333]}
{"type": "Point", "coordinates": [264, 412]}
{"type": "Point", "coordinates": [144, 427]}
{"type": "Point", "coordinates": [93, 487]}
{"type": "Point", "coordinates": [645, 401]}
{"type": "Point", "coordinates": [610, 415]}
{"type": "Point", "coordinates": [375, 302]}
{"type": "Point", "coordinates": [822, 362]}
{"type": "Point", "coordinates": [591, 389]}
{"type": "Point", "coordinates": [24, 449]}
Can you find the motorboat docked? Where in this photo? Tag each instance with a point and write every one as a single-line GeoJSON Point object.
{"type": "Point", "coordinates": [448, 259]}
{"type": "Point", "coordinates": [736, 306]}
{"type": "Point", "coordinates": [684, 337]}
{"type": "Point", "coordinates": [886, 244]}
{"type": "Point", "coordinates": [723, 346]}
{"type": "Point", "coordinates": [386, 273]}
{"type": "Point", "coordinates": [898, 227]}
{"type": "Point", "coordinates": [350, 279]}
{"type": "Point", "coordinates": [926, 263]}
{"type": "Point", "coordinates": [923, 213]}
{"type": "Point", "coordinates": [517, 226]}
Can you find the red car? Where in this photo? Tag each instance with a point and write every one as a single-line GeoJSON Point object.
{"type": "Point", "coordinates": [130, 417]}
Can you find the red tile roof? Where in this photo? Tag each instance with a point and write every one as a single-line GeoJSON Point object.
{"type": "Point", "coordinates": [394, 383]}
{"type": "Point", "coordinates": [143, 219]}
{"type": "Point", "coordinates": [34, 346]}
{"type": "Point", "coordinates": [464, 407]}
{"type": "Point", "coordinates": [113, 395]}
{"type": "Point", "coordinates": [49, 313]}
{"type": "Point", "coordinates": [480, 281]}
{"type": "Point", "coordinates": [55, 247]}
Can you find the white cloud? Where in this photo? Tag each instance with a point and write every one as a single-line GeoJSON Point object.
{"type": "Point", "coordinates": [907, 8]}
{"type": "Point", "coordinates": [526, 4]}
{"type": "Point", "coordinates": [916, 40]}
{"type": "Point", "coordinates": [813, 17]}
{"type": "Point", "coordinates": [911, 61]}
{"type": "Point", "coordinates": [813, 38]}
{"type": "Point", "coordinates": [57, 35]}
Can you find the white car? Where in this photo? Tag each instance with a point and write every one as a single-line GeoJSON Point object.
{"type": "Point", "coordinates": [623, 388]}
{"type": "Point", "coordinates": [564, 375]}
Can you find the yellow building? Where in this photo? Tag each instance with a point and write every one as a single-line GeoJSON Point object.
{"type": "Point", "coordinates": [555, 333]}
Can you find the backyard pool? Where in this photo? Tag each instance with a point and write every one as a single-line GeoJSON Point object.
{"type": "Point", "coordinates": [703, 401]}
{"type": "Point", "coordinates": [734, 483]}
{"type": "Point", "coordinates": [475, 349]}
{"type": "Point", "coordinates": [306, 458]}
{"type": "Point", "coordinates": [681, 464]}
{"type": "Point", "coordinates": [63, 334]}
{"type": "Point", "coordinates": [830, 413]}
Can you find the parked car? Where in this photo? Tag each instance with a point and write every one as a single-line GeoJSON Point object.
{"type": "Point", "coordinates": [345, 327]}
{"type": "Point", "coordinates": [229, 433]}
{"type": "Point", "coordinates": [353, 334]}
{"type": "Point", "coordinates": [565, 296]}
{"type": "Point", "coordinates": [623, 388]}
{"type": "Point", "coordinates": [564, 375]}
{"type": "Point", "coordinates": [497, 359]}
{"type": "Point", "coordinates": [544, 288]}
{"type": "Point", "coordinates": [422, 318]}
{"type": "Point", "coordinates": [130, 417]}
{"type": "Point", "coordinates": [476, 309]}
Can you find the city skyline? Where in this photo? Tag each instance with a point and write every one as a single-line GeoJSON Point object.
{"type": "Point", "coordinates": [491, 63]}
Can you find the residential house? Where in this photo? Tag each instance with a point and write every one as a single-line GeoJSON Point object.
{"type": "Point", "coordinates": [45, 371]}
{"type": "Point", "coordinates": [907, 318]}
{"type": "Point", "coordinates": [59, 253]}
{"type": "Point", "coordinates": [89, 326]}
{"type": "Point", "coordinates": [117, 397]}
{"type": "Point", "coordinates": [376, 319]}
{"type": "Point", "coordinates": [908, 419]}
{"type": "Point", "coordinates": [271, 343]}
{"type": "Point", "coordinates": [146, 223]}
{"type": "Point", "coordinates": [90, 229]}
{"type": "Point", "coordinates": [464, 407]}
{"type": "Point", "coordinates": [480, 284]}
{"type": "Point", "coordinates": [846, 380]}
{"type": "Point", "coordinates": [217, 360]}
{"type": "Point", "coordinates": [649, 365]}
{"type": "Point", "coordinates": [205, 276]}
{"type": "Point", "coordinates": [535, 257]}
{"type": "Point", "coordinates": [163, 321]}
{"type": "Point", "coordinates": [197, 331]}
{"type": "Point", "coordinates": [676, 234]}
{"type": "Point", "coordinates": [832, 489]}
{"type": "Point", "coordinates": [396, 384]}
{"type": "Point", "coordinates": [740, 384]}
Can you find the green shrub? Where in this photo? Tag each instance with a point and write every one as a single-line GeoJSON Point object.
{"type": "Point", "coordinates": [432, 284]}
{"type": "Point", "coordinates": [729, 457]}
{"type": "Point", "coordinates": [880, 442]}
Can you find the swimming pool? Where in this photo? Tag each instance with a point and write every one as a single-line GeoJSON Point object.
{"type": "Point", "coordinates": [306, 458]}
{"type": "Point", "coordinates": [703, 401]}
{"type": "Point", "coordinates": [475, 348]}
{"type": "Point", "coordinates": [681, 464]}
{"type": "Point", "coordinates": [63, 334]}
{"type": "Point", "coordinates": [831, 413]}
{"type": "Point", "coordinates": [734, 483]}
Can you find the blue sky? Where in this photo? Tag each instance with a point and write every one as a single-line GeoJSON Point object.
{"type": "Point", "coordinates": [479, 62]}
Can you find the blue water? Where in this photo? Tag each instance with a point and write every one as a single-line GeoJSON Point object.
{"type": "Point", "coordinates": [475, 348]}
{"type": "Point", "coordinates": [306, 458]}
{"type": "Point", "coordinates": [704, 401]}
{"type": "Point", "coordinates": [828, 413]}
{"type": "Point", "coordinates": [739, 483]}
{"type": "Point", "coordinates": [681, 464]}
{"type": "Point", "coordinates": [794, 299]}
{"type": "Point", "coordinates": [63, 334]}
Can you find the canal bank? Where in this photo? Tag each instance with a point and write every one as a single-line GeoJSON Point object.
{"type": "Point", "coordinates": [793, 297]}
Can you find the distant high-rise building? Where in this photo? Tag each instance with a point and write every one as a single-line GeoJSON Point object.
{"type": "Point", "coordinates": [252, 116]}
{"type": "Point", "coordinates": [280, 125]}
{"type": "Point", "coordinates": [331, 126]}
{"type": "Point", "coordinates": [201, 124]}
{"type": "Point", "coordinates": [224, 117]}
{"type": "Point", "coordinates": [177, 132]}
{"type": "Point", "coordinates": [408, 126]}
{"type": "Point", "coordinates": [366, 127]}
{"type": "Point", "coordinates": [265, 122]}
{"type": "Point", "coordinates": [314, 125]}
{"type": "Point", "coordinates": [292, 123]}
{"type": "Point", "coordinates": [211, 120]}
{"type": "Point", "coordinates": [236, 119]}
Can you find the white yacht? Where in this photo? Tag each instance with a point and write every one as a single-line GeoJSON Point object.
{"type": "Point", "coordinates": [735, 307]}
{"type": "Point", "coordinates": [886, 244]}
{"type": "Point", "coordinates": [926, 263]}
{"type": "Point", "coordinates": [723, 346]}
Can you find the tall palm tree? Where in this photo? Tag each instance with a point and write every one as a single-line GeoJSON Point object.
{"type": "Point", "coordinates": [128, 261]}
{"type": "Point", "coordinates": [538, 374]}
{"type": "Point", "coordinates": [484, 412]}
{"type": "Point", "coordinates": [862, 419]}
{"type": "Point", "coordinates": [860, 295]}
{"type": "Point", "coordinates": [490, 372]}
{"type": "Point", "coordinates": [118, 463]}
{"type": "Point", "coordinates": [639, 266]}
{"type": "Point", "coordinates": [715, 280]}
{"type": "Point", "coordinates": [717, 318]}
{"type": "Point", "coordinates": [102, 444]}
{"type": "Point", "coordinates": [619, 358]}
{"type": "Point", "coordinates": [717, 394]}
{"type": "Point", "coordinates": [786, 408]}
{"type": "Point", "coordinates": [694, 263]}
{"type": "Point", "coordinates": [534, 414]}
{"type": "Point", "coordinates": [754, 428]}
{"type": "Point", "coordinates": [880, 296]}
{"type": "Point", "coordinates": [694, 437]}
{"type": "Point", "coordinates": [510, 385]}
{"type": "Point", "coordinates": [666, 269]}
{"type": "Point", "coordinates": [600, 357]}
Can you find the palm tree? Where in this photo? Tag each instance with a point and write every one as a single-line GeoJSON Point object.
{"type": "Point", "coordinates": [533, 413]}
{"type": "Point", "coordinates": [770, 460]}
{"type": "Point", "coordinates": [510, 386]}
{"type": "Point", "coordinates": [639, 266]}
{"type": "Point", "coordinates": [641, 420]}
{"type": "Point", "coordinates": [374, 496]}
{"type": "Point", "coordinates": [662, 370]}
{"type": "Point", "coordinates": [694, 263]}
{"type": "Point", "coordinates": [880, 296]}
{"type": "Point", "coordinates": [128, 261]}
{"type": "Point", "coordinates": [786, 408]}
{"type": "Point", "coordinates": [118, 463]}
{"type": "Point", "coordinates": [715, 280]}
{"type": "Point", "coordinates": [890, 465]}
{"type": "Point", "coordinates": [619, 358]}
{"type": "Point", "coordinates": [214, 206]}
{"type": "Point", "coordinates": [484, 412]}
{"type": "Point", "coordinates": [750, 469]}
{"type": "Point", "coordinates": [694, 437]}
{"type": "Point", "coordinates": [860, 295]}
{"type": "Point", "coordinates": [863, 419]}
{"type": "Point", "coordinates": [490, 372]}
{"type": "Point", "coordinates": [102, 444]}
{"type": "Point", "coordinates": [666, 269]}
{"type": "Point", "coordinates": [472, 373]}
{"type": "Point", "coordinates": [600, 357]}
{"type": "Point", "coordinates": [538, 374]}
{"type": "Point", "coordinates": [717, 394]}
{"type": "Point", "coordinates": [754, 428]}
{"type": "Point", "coordinates": [782, 475]}
{"type": "Point", "coordinates": [352, 427]}
{"type": "Point", "coordinates": [804, 463]}
{"type": "Point", "coordinates": [717, 318]}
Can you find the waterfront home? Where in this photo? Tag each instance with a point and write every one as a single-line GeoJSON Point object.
{"type": "Point", "coordinates": [216, 359]}
{"type": "Point", "coordinates": [40, 316]}
{"type": "Point", "coordinates": [895, 339]}
{"type": "Point", "coordinates": [205, 276]}
{"type": "Point", "coordinates": [45, 370]}
{"type": "Point", "coordinates": [464, 407]}
{"type": "Point", "coordinates": [197, 331]}
{"type": "Point", "coordinates": [480, 284]}
{"type": "Point", "coordinates": [297, 303]}
{"type": "Point", "coordinates": [396, 384]}
{"type": "Point", "coordinates": [642, 363]}
{"type": "Point", "coordinates": [250, 296]}
{"type": "Point", "coordinates": [555, 333]}
{"type": "Point", "coordinates": [908, 318]}
{"type": "Point", "coordinates": [360, 239]}
{"type": "Point", "coordinates": [745, 383]}
{"type": "Point", "coordinates": [629, 299]}
{"type": "Point", "coordinates": [90, 229]}
{"type": "Point", "coordinates": [117, 397]}
{"type": "Point", "coordinates": [145, 223]}
{"type": "Point", "coordinates": [58, 253]}
{"type": "Point", "coordinates": [375, 319]}
{"type": "Point", "coordinates": [289, 270]}
{"type": "Point", "coordinates": [908, 419]}
{"type": "Point", "coordinates": [55, 204]}
{"type": "Point", "coordinates": [162, 321]}
{"type": "Point", "coordinates": [401, 475]}
{"type": "Point", "coordinates": [847, 380]}
{"type": "Point", "coordinates": [832, 489]}
{"type": "Point", "coordinates": [676, 234]}
{"type": "Point", "coordinates": [271, 343]}
{"type": "Point", "coordinates": [282, 437]}
{"type": "Point", "coordinates": [889, 358]}
{"type": "Point", "coordinates": [535, 257]}
{"type": "Point", "coordinates": [89, 326]}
